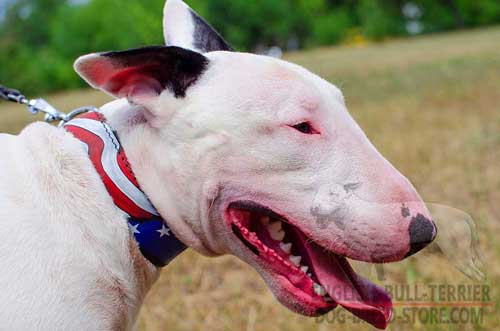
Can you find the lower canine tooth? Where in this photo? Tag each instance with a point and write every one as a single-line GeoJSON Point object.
{"type": "Point", "coordinates": [287, 248]}
{"type": "Point", "coordinates": [295, 259]}
{"type": "Point", "coordinates": [319, 290]}
{"type": "Point", "coordinates": [304, 268]}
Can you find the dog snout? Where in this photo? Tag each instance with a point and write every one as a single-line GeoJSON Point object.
{"type": "Point", "coordinates": [422, 232]}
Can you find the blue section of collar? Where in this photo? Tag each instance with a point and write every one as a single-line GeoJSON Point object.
{"type": "Point", "coordinates": [156, 241]}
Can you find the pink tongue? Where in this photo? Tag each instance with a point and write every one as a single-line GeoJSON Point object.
{"type": "Point", "coordinates": [356, 294]}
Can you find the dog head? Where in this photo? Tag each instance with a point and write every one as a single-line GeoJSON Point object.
{"type": "Point", "coordinates": [258, 157]}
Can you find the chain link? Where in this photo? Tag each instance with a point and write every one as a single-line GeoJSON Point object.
{"type": "Point", "coordinates": [9, 94]}
{"type": "Point", "coordinates": [36, 106]}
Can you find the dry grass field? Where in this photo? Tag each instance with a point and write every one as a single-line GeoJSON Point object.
{"type": "Point", "coordinates": [432, 106]}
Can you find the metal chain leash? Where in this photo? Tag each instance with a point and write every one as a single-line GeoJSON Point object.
{"type": "Point", "coordinates": [11, 94]}
{"type": "Point", "coordinates": [36, 106]}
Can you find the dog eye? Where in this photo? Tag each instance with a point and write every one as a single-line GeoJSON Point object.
{"type": "Point", "coordinates": [305, 128]}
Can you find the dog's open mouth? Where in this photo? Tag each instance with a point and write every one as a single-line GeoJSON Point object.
{"type": "Point", "coordinates": [323, 277]}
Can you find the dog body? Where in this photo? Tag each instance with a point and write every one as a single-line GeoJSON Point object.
{"type": "Point", "coordinates": [238, 152]}
{"type": "Point", "coordinates": [68, 260]}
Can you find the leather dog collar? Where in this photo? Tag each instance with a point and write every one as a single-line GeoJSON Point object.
{"type": "Point", "coordinates": [156, 241]}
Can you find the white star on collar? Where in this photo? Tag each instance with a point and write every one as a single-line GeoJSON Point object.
{"type": "Point", "coordinates": [164, 231]}
{"type": "Point", "coordinates": [134, 228]}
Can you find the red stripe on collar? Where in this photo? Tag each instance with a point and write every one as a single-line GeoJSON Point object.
{"type": "Point", "coordinates": [108, 159]}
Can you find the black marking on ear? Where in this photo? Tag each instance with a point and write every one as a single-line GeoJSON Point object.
{"type": "Point", "coordinates": [173, 67]}
{"type": "Point", "coordinates": [206, 38]}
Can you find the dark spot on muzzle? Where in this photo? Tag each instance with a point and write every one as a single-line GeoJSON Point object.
{"type": "Point", "coordinates": [422, 232]}
{"type": "Point", "coordinates": [405, 211]}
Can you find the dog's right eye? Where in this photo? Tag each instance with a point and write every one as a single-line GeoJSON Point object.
{"type": "Point", "coordinates": [305, 128]}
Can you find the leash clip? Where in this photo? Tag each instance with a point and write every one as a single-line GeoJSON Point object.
{"type": "Point", "coordinates": [36, 106]}
{"type": "Point", "coordinates": [52, 114]}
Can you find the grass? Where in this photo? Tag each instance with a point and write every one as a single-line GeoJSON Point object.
{"type": "Point", "coordinates": [432, 107]}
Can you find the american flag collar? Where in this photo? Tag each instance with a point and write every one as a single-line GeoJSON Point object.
{"type": "Point", "coordinates": [156, 241]}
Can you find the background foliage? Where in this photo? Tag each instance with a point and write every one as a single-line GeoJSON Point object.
{"type": "Point", "coordinates": [39, 39]}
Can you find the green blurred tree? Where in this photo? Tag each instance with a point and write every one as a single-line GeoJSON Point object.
{"type": "Point", "coordinates": [40, 39]}
{"type": "Point", "coordinates": [476, 13]}
{"type": "Point", "coordinates": [24, 34]}
{"type": "Point", "coordinates": [379, 18]}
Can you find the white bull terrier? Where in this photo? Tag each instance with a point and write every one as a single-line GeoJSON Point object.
{"type": "Point", "coordinates": [235, 151]}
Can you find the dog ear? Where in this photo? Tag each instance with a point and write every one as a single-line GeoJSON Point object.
{"type": "Point", "coordinates": [184, 28]}
{"type": "Point", "coordinates": [143, 72]}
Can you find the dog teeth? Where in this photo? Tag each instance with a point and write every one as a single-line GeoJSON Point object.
{"type": "Point", "coordinates": [319, 290]}
{"type": "Point", "coordinates": [276, 231]}
{"type": "Point", "coordinates": [296, 260]}
{"type": "Point", "coordinates": [287, 248]}
{"type": "Point", "coordinates": [304, 269]}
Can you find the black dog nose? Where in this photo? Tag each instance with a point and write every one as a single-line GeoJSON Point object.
{"type": "Point", "coordinates": [422, 233]}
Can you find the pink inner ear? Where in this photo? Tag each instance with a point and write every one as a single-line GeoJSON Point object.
{"type": "Point", "coordinates": [133, 82]}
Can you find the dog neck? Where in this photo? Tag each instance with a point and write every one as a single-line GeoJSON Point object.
{"type": "Point", "coordinates": [168, 173]}
{"type": "Point", "coordinates": [156, 241]}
